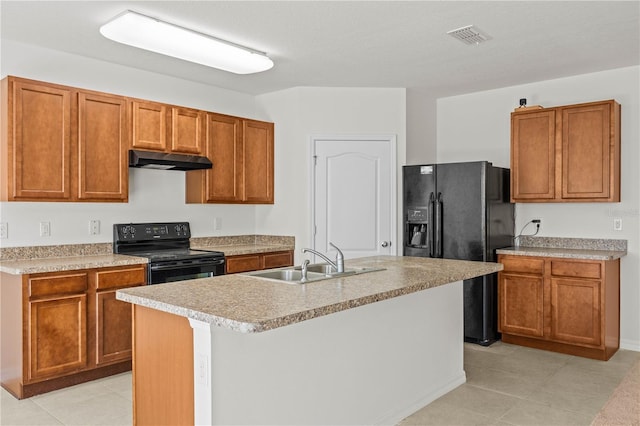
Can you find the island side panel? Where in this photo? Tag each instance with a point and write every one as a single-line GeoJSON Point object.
{"type": "Point", "coordinates": [374, 364]}
{"type": "Point", "coordinates": [162, 368]}
{"type": "Point", "coordinates": [11, 367]}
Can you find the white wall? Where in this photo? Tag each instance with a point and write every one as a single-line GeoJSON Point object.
{"type": "Point", "coordinates": [302, 112]}
{"type": "Point", "coordinates": [421, 127]}
{"type": "Point", "coordinates": [476, 126]}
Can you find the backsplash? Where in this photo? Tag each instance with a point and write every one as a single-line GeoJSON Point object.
{"type": "Point", "coordinates": [573, 243]}
{"type": "Point", "coordinates": [243, 240]}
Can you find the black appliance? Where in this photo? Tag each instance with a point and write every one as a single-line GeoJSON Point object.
{"type": "Point", "coordinates": [167, 161]}
{"type": "Point", "coordinates": [167, 247]}
{"type": "Point", "coordinates": [461, 211]}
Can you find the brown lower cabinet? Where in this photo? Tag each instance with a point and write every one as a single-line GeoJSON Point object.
{"type": "Point", "coordinates": [64, 328]}
{"type": "Point", "coordinates": [257, 261]}
{"type": "Point", "coordinates": [564, 305]}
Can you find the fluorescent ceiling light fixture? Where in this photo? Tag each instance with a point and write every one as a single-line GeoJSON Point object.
{"type": "Point", "coordinates": [168, 39]}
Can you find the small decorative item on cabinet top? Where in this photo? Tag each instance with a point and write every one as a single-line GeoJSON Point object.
{"type": "Point", "coordinates": [523, 108]}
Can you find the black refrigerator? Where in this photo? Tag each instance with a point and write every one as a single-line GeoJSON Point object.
{"type": "Point", "coordinates": [461, 211]}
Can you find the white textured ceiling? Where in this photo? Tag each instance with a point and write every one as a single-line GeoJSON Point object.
{"type": "Point", "coordinates": [358, 43]}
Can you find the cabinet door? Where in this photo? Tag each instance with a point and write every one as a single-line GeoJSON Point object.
{"type": "Point", "coordinates": [586, 136]}
{"type": "Point", "coordinates": [113, 317]}
{"type": "Point", "coordinates": [103, 142]}
{"type": "Point", "coordinates": [113, 329]}
{"type": "Point", "coordinates": [224, 149]}
{"type": "Point", "coordinates": [149, 125]}
{"type": "Point", "coordinates": [39, 148]}
{"type": "Point", "coordinates": [57, 336]}
{"type": "Point", "coordinates": [521, 304]}
{"type": "Point", "coordinates": [258, 161]}
{"type": "Point", "coordinates": [187, 130]}
{"type": "Point", "coordinates": [533, 156]}
{"type": "Point", "coordinates": [575, 311]}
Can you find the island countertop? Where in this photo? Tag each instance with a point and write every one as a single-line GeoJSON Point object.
{"type": "Point", "coordinates": [250, 304]}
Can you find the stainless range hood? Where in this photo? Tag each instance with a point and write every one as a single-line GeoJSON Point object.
{"type": "Point", "coordinates": [164, 161]}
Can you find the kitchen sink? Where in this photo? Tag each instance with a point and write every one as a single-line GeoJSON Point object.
{"type": "Point", "coordinates": [287, 275]}
{"type": "Point", "coordinates": [315, 272]}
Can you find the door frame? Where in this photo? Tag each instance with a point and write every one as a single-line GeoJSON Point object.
{"type": "Point", "coordinates": [391, 140]}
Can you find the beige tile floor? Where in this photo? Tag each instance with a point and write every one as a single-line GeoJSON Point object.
{"type": "Point", "coordinates": [506, 385]}
{"type": "Point", "coordinates": [514, 385]}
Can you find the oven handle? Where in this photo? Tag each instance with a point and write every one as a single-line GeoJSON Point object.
{"type": "Point", "coordinates": [186, 263]}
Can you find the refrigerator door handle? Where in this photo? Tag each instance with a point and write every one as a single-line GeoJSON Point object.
{"type": "Point", "coordinates": [430, 227]}
{"type": "Point", "coordinates": [438, 224]}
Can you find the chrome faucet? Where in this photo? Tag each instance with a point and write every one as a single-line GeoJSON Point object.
{"type": "Point", "coordinates": [338, 265]}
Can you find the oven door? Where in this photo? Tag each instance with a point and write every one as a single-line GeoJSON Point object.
{"type": "Point", "coordinates": [164, 272]}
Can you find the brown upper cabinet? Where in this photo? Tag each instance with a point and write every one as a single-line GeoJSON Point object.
{"type": "Point", "coordinates": [241, 151]}
{"type": "Point", "coordinates": [167, 128]}
{"type": "Point", "coordinates": [566, 154]}
{"type": "Point", "coordinates": [62, 144]}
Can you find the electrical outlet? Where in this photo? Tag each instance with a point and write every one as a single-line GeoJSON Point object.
{"type": "Point", "coordinates": [45, 229]}
{"type": "Point", "coordinates": [94, 227]}
{"type": "Point", "coordinates": [217, 223]}
{"type": "Point", "coordinates": [537, 224]}
{"type": "Point", "coordinates": [4, 230]}
{"type": "Point", "coordinates": [617, 224]}
{"type": "Point", "coordinates": [202, 369]}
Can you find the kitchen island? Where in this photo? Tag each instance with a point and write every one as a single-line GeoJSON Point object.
{"type": "Point", "coordinates": [362, 349]}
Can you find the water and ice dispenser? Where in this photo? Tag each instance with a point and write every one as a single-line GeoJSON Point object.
{"type": "Point", "coordinates": [417, 231]}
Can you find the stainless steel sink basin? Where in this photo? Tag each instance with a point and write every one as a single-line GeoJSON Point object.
{"type": "Point", "coordinates": [286, 275]}
{"type": "Point", "coordinates": [315, 272]}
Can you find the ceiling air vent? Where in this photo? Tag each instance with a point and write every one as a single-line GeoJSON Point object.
{"type": "Point", "coordinates": [469, 35]}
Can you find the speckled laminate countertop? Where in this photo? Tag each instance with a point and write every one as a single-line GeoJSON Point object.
{"type": "Point", "coordinates": [249, 244]}
{"type": "Point", "coordinates": [570, 248]}
{"type": "Point", "coordinates": [71, 263]}
{"type": "Point", "coordinates": [250, 304]}
{"type": "Point", "coordinates": [69, 257]}
{"type": "Point", "coordinates": [564, 253]}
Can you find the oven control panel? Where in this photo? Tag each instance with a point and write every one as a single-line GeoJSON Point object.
{"type": "Point", "coordinates": [151, 231]}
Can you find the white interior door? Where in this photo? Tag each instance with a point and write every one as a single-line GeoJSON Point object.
{"type": "Point", "coordinates": [354, 195]}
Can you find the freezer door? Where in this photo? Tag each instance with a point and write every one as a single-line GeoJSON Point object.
{"type": "Point", "coordinates": [461, 188]}
{"type": "Point", "coordinates": [418, 182]}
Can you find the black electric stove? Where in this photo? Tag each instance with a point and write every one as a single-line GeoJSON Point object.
{"type": "Point", "coordinates": [167, 247]}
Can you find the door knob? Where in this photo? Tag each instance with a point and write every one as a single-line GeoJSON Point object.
{"type": "Point", "coordinates": [386, 243]}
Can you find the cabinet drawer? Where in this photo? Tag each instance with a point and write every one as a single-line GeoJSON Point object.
{"type": "Point", "coordinates": [565, 268]}
{"type": "Point", "coordinates": [276, 260]}
{"type": "Point", "coordinates": [522, 264]}
{"type": "Point", "coordinates": [120, 278]}
{"type": "Point", "coordinates": [47, 285]}
{"type": "Point", "coordinates": [243, 263]}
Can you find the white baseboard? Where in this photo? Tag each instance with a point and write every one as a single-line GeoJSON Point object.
{"type": "Point", "coordinates": [397, 416]}
{"type": "Point", "coordinates": [631, 345]}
